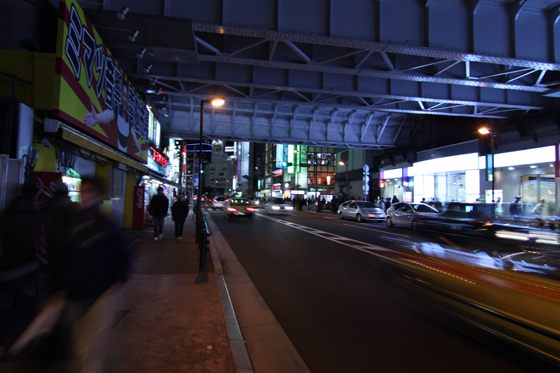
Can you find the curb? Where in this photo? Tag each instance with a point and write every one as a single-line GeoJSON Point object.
{"type": "Point", "coordinates": [252, 327]}
{"type": "Point", "coordinates": [238, 347]}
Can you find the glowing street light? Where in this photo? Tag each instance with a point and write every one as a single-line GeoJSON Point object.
{"type": "Point", "coordinates": [345, 164]}
{"type": "Point", "coordinates": [486, 131]}
{"type": "Point", "coordinates": [214, 101]}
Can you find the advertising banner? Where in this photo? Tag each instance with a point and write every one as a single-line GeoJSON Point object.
{"type": "Point", "coordinates": [91, 91]}
{"type": "Point", "coordinates": [138, 208]}
{"type": "Point", "coordinates": [279, 155]}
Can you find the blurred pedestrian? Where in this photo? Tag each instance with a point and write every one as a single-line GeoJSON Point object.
{"type": "Point", "coordinates": [18, 263]}
{"type": "Point", "coordinates": [179, 212]}
{"type": "Point", "coordinates": [89, 263]}
{"type": "Point", "coordinates": [540, 211]}
{"type": "Point", "coordinates": [395, 200]}
{"type": "Point", "coordinates": [387, 203]}
{"type": "Point", "coordinates": [382, 204]}
{"type": "Point", "coordinates": [438, 205]}
{"type": "Point", "coordinates": [158, 209]}
{"type": "Point", "coordinates": [515, 209]}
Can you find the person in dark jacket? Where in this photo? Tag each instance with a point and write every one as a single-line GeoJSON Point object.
{"type": "Point", "coordinates": [387, 203]}
{"type": "Point", "coordinates": [179, 212]}
{"type": "Point", "coordinates": [89, 262]}
{"type": "Point", "coordinates": [515, 208]}
{"type": "Point", "coordinates": [158, 209]}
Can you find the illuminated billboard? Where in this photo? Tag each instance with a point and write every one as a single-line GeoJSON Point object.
{"type": "Point", "coordinates": [279, 155]}
{"type": "Point", "coordinates": [157, 132]}
{"type": "Point", "coordinates": [91, 91]}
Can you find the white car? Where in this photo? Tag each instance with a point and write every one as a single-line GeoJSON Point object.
{"type": "Point", "coordinates": [360, 210]}
{"type": "Point", "coordinates": [219, 203]}
{"type": "Point", "coordinates": [277, 205]}
{"type": "Point", "coordinates": [411, 215]}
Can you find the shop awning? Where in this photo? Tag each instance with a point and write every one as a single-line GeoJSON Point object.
{"type": "Point", "coordinates": [163, 179]}
{"type": "Point", "coordinates": [71, 135]}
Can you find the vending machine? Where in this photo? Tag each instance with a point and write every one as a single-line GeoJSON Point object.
{"type": "Point", "coordinates": [139, 208]}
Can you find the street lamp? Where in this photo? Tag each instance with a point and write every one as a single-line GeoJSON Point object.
{"type": "Point", "coordinates": [215, 101]}
{"type": "Point", "coordinates": [345, 164]}
{"type": "Point", "coordinates": [486, 131]}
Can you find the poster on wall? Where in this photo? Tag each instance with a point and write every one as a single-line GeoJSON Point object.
{"type": "Point", "coordinates": [498, 195]}
{"type": "Point", "coordinates": [91, 91]}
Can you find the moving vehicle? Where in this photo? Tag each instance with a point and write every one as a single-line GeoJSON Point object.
{"type": "Point", "coordinates": [219, 203]}
{"type": "Point", "coordinates": [360, 210]}
{"type": "Point", "coordinates": [277, 205]}
{"type": "Point", "coordinates": [255, 202]}
{"type": "Point", "coordinates": [473, 218]}
{"type": "Point", "coordinates": [238, 208]}
{"type": "Point", "coordinates": [409, 214]}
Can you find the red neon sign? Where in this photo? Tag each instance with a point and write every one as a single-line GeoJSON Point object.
{"type": "Point", "coordinates": [158, 158]}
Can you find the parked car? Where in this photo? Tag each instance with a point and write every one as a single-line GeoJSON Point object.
{"type": "Point", "coordinates": [238, 208]}
{"type": "Point", "coordinates": [277, 205]}
{"type": "Point", "coordinates": [219, 203]}
{"type": "Point", "coordinates": [360, 210]}
{"type": "Point", "coordinates": [409, 214]}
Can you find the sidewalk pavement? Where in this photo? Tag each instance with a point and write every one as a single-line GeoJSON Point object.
{"type": "Point", "coordinates": [174, 318]}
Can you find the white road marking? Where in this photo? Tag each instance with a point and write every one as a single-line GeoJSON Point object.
{"type": "Point", "coordinates": [378, 230]}
{"type": "Point", "coordinates": [358, 245]}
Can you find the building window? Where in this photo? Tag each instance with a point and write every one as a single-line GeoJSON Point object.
{"type": "Point", "coordinates": [220, 174]}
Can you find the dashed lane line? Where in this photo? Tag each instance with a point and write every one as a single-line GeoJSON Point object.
{"type": "Point", "coordinates": [358, 245]}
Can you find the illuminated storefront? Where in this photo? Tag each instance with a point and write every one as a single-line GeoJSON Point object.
{"type": "Point", "coordinates": [528, 173]}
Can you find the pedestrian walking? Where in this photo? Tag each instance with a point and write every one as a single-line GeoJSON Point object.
{"type": "Point", "coordinates": [89, 262]}
{"type": "Point", "coordinates": [541, 211]}
{"type": "Point", "coordinates": [515, 208]}
{"type": "Point", "coordinates": [158, 209]}
{"type": "Point", "coordinates": [387, 203]}
{"type": "Point", "coordinates": [179, 212]}
{"type": "Point", "coordinates": [382, 204]}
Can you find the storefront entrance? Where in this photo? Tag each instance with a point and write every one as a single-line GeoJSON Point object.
{"type": "Point", "coordinates": [537, 187]}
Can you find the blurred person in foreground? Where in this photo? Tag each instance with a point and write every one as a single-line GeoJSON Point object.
{"type": "Point", "coordinates": [89, 263]}
{"type": "Point", "coordinates": [159, 204]}
{"type": "Point", "coordinates": [179, 212]}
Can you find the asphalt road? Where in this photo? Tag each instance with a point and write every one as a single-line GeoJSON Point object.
{"type": "Point", "coordinates": [342, 312]}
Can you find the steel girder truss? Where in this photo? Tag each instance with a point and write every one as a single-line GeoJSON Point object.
{"type": "Point", "coordinates": [361, 59]}
{"type": "Point", "coordinates": [286, 123]}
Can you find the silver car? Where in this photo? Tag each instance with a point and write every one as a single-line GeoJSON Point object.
{"type": "Point", "coordinates": [360, 210]}
{"type": "Point", "coordinates": [409, 214]}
